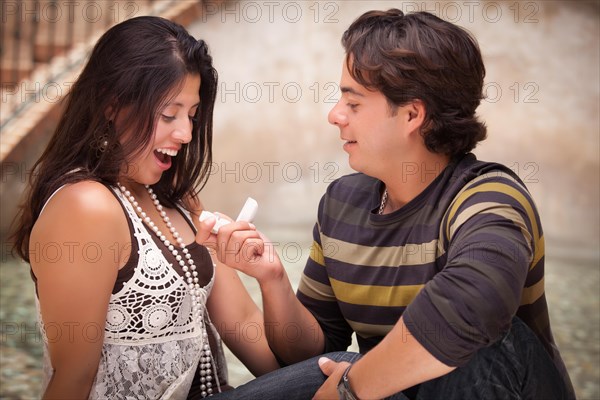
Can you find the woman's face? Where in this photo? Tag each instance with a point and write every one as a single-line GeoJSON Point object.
{"type": "Point", "coordinates": [173, 129]}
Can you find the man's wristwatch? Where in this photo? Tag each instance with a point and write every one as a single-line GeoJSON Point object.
{"type": "Point", "coordinates": [343, 387]}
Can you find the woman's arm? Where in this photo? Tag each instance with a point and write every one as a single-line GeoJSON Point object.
{"type": "Point", "coordinates": [233, 312]}
{"type": "Point", "coordinates": [240, 246]}
{"type": "Point", "coordinates": [74, 252]}
{"type": "Point", "coordinates": [240, 322]}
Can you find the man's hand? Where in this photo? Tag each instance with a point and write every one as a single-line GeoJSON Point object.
{"type": "Point", "coordinates": [240, 246]}
{"type": "Point", "coordinates": [334, 370]}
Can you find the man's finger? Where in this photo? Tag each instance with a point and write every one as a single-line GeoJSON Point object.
{"type": "Point", "coordinates": [327, 366]}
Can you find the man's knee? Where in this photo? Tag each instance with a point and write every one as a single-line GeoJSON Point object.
{"type": "Point", "coordinates": [347, 356]}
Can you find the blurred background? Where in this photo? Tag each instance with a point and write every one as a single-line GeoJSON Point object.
{"type": "Point", "coordinates": [279, 65]}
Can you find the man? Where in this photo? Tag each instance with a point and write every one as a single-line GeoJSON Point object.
{"type": "Point", "coordinates": [434, 259]}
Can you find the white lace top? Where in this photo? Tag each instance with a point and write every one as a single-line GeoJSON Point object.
{"type": "Point", "coordinates": [151, 343]}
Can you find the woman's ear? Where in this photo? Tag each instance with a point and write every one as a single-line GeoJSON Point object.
{"type": "Point", "coordinates": [110, 113]}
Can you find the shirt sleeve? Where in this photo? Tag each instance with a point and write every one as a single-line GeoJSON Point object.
{"type": "Point", "coordinates": [492, 232]}
{"type": "Point", "coordinates": [316, 294]}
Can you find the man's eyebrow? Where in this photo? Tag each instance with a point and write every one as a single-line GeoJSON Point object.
{"type": "Point", "coordinates": [348, 89]}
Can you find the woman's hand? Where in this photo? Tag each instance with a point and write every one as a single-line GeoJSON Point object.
{"type": "Point", "coordinates": [242, 247]}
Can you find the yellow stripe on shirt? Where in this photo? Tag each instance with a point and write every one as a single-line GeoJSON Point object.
{"type": "Point", "coordinates": [374, 295]}
{"type": "Point", "coordinates": [509, 191]}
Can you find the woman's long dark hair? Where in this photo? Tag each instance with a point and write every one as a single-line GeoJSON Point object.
{"type": "Point", "coordinates": [133, 70]}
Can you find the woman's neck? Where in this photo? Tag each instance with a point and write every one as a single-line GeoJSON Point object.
{"type": "Point", "coordinates": [138, 190]}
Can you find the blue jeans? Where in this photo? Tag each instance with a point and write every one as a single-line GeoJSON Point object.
{"type": "Point", "coordinates": [515, 367]}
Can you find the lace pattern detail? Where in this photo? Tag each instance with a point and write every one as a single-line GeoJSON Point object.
{"type": "Point", "coordinates": [47, 369]}
{"type": "Point", "coordinates": [154, 304]}
{"type": "Point", "coordinates": [146, 372]}
{"type": "Point", "coordinates": [151, 342]}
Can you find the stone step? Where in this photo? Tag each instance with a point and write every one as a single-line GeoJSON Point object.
{"type": "Point", "coordinates": [18, 95]}
{"type": "Point", "coordinates": [35, 32]}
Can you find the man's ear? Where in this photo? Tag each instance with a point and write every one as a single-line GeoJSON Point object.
{"type": "Point", "coordinates": [416, 114]}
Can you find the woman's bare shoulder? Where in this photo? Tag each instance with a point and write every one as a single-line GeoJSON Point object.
{"type": "Point", "coordinates": [85, 210]}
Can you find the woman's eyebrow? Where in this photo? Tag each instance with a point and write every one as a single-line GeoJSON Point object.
{"type": "Point", "coordinates": [178, 104]}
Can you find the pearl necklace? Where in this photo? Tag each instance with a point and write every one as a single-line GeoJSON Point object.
{"type": "Point", "coordinates": [383, 202]}
{"type": "Point", "coordinates": [191, 276]}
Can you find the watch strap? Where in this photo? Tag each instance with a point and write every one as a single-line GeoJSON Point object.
{"type": "Point", "coordinates": [344, 390]}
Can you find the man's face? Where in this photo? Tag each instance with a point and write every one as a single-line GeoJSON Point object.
{"type": "Point", "coordinates": [373, 137]}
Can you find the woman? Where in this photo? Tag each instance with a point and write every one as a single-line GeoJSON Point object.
{"type": "Point", "coordinates": [130, 305]}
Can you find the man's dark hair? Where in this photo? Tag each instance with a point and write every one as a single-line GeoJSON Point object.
{"type": "Point", "coordinates": [420, 56]}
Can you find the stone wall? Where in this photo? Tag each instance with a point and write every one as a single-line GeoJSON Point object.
{"type": "Point", "coordinates": [278, 63]}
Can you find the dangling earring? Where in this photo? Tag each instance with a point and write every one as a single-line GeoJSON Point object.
{"type": "Point", "coordinates": [103, 146]}
{"type": "Point", "coordinates": [101, 143]}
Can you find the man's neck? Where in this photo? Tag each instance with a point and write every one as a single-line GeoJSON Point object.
{"type": "Point", "coordinates": [408, 179]}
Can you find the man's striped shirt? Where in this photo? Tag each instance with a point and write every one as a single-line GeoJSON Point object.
{"type": "Point", "coordinates": [458, 262]}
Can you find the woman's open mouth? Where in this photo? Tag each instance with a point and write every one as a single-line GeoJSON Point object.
{"type": "Point", "coordinates": [163, 157]}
